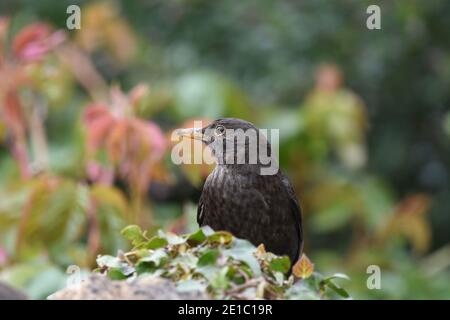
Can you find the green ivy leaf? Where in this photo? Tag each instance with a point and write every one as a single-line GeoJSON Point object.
{"type": "Point", "coordinates": [207, 230]}
{"type": "Point", "coordinates": [221, 237]}
{"type": "Point", "coordinates": [339, 290]}
{"type": "Point", "coordinates": [133, 233]}
{"type": "Point", "coordinates": [208, 271]}
{"type": "Point", "coordinates": [209, 257]}
{"type": "Point", "coordinates": [280, 264]}
{"type": "Point", "coordinates": [156, 242]}
{"type": "Point", "coordinates": [116, 274]}
{"type": "Point", "coordinates": [171, 238]}
{"type": "Point", "coordinates": [328, 282]}
{"type": "Point", "coordinates": [220, 281]}
{"type": "Point", "coordinates": [197, 237]}
{"type": "Point", "coordinates": [337, 276]}
{"type": "Point", "coordinates": [145, 267]}
{"type": "Point", "coordinates": [243, 250]}
{"type": "Point", "coordinates": [158, 257]}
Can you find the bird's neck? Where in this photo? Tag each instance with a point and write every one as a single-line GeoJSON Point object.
{"type": "Point", "coordinates": [245, 169]}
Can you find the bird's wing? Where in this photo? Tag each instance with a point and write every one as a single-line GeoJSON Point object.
{"type": "Point", "coordinates": [297, 213]}
{"type": "Point", "coordinates": [200, 211]}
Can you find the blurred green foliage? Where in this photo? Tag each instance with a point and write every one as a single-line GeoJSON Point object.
{"type": "Point", "coordinates": [364, 119]}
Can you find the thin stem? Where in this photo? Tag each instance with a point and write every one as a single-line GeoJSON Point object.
{"type": "Point", "coordinates": [37, 134]}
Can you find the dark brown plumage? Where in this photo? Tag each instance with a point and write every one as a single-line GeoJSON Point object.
{"type": "Point", "coordinates": [239, 199]}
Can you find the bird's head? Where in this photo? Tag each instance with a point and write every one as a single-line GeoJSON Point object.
{"type": "Point", "coordinates": [235, 143]}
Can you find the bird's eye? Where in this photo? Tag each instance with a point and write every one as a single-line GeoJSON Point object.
{"type": "Point", "coordinates": [219, 130]}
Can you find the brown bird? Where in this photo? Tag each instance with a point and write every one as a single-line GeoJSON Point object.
{"type": "Point", "coordinates": [239, 197]}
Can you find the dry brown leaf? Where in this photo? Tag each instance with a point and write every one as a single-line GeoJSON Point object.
{"type": "Point", "coordinates": [304, 268]}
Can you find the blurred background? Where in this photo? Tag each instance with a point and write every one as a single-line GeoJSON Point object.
{"type": "Point", "coordinates": [86, 117]}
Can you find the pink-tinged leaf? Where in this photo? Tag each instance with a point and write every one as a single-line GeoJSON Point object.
{"type": "Point", "coordinates": [134, 146]}
{"type": "Point", "coordinates": [3, 256]}
{"type": "Point", "coordinates": [93, 112]}
{"type": "Point", "coordinates": [138, 93]}
{"type": "Point", "coordinates": [157, 138]}
{"type": "Point", "coordinates": [34, 41]}
{"type": "Point", "coordinates": [116, 144]}
{"type": "Point", "coordinates": [98, 131]}
{"type": "Point", "coordinates": [12, 111]}
{"type": "Point", "coordinates": [100, 174]}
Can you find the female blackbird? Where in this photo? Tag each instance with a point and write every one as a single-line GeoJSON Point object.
{"type": "Point", "coordinates": [242, 195]}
